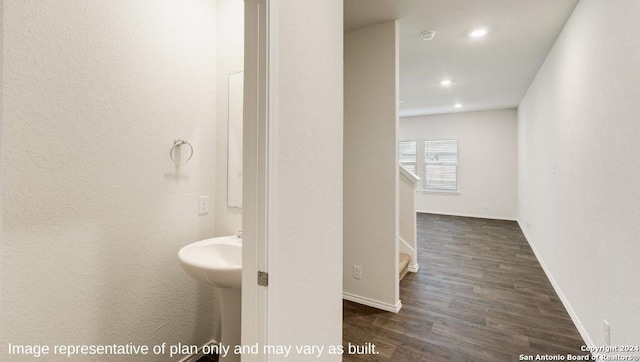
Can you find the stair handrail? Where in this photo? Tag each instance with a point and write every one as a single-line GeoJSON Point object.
{"type": "Point", "coordinates": [408, 174]}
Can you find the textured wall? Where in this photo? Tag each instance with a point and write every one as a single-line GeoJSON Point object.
{"type": "Point", "coordinates": [579, 173]}
{"type": "Point", "coordinates": [487, 173]}
{"type": "Point", "coordinates": [371, 162]}
{"type": "Point", "coordinates": [94, 211]}
{"type": "Point", "coordinates": [306, 267]}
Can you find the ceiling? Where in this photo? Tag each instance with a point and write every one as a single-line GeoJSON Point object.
{"type": "Point", "coordinates": [491, 72]}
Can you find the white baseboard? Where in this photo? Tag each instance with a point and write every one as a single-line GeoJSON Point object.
{"type": "Point", "coordinates": [195, 356]}
{"type": "Point", "coordinates": [413, 268]}
{"type": "Point", "coordinates": [574, 317]}
{"type": "Point", "coordinates": [372, 303]}
{"type": "Point", "coordinates": [492, 217]}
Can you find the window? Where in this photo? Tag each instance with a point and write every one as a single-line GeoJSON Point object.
{"type": "Point", "coordinates": [407, 155]}
{"type": "Point", "coordinates": [441, 165]}
{"type": "Point", "coordinates": [435, 161]}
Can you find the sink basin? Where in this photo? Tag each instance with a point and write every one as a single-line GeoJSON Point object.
{"type": "Point", "coordinates": [216, 261]}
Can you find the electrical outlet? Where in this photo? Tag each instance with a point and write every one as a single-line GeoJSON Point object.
{"type": "Point", "coordinates": [357, 272]}
{"type": "Point", "coordinates": [203, 205]}
{"type": "Point", "coordinates": [528, 226]}
{"type": "Point", "coordinates": [607, 332]}
{"type": "Point", "coordinates": [554, 167]}
{"type": "Point", "coordinates": [484, 206]}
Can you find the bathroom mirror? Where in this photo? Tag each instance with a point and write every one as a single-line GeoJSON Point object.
{"type": "Point", "coordinates": [234, 145]}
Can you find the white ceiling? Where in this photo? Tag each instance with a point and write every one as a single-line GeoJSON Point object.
{"type": "Point", "coordinates": [489, 73]}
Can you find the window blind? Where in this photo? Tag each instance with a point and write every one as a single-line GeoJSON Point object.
{"type": "Point", "coordinates": [407, 155]}
{"type": "Point", "coordinates": [441, 165]}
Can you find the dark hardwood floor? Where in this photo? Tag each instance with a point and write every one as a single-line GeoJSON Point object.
{"type": "Point", "coordinates": [480, 295]}
{"type": "Point", "coordinates": [208, 358]}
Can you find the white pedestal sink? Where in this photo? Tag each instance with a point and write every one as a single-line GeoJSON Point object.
{"type": "Point", "coordinates": [218, 262]}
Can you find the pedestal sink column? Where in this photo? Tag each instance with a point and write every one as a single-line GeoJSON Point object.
{"type": "Point", "coordinates": [218, 262]}
{"type": "Point", "coordinates": [230, 312]}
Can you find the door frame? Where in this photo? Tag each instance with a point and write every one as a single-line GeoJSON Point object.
{"type": "Point", "coordinates": [259, 179]}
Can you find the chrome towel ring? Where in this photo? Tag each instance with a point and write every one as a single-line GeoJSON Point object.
{"type": "Point", "coordinates": [176, 144]}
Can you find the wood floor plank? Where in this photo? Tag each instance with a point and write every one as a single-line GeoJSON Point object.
{"type": "Point", "coordinates": [480, 295]}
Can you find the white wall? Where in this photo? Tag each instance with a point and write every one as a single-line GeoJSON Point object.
{"type": "Point", "coordinates": [407, 226]}
{"type": "Point", "coordinates": [581, 114]}
{"type": "Point", "coordinates": [230, 54]}
{"type": "Point", "coordinates": [487, 162]}
{"type": "Point", "coordinates": [305, 269]}
{"type": "Point", "coordinates": [1, 153]}
{"type": "Point", "coordinates": [94, 210]}
{"type": "Point", "coordinates": [371, 164]}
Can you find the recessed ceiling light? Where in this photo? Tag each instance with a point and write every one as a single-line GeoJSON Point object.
{"type": "Point", "coordinates": [457, 105]}
{"type": "Point", "coordinates": [445, 82]}
{"type": "Point", "coordinates": [428, 35]}
{"type": "Point", "coordinates": [478, 33]}
{"type": "Point", "coordinates": [401, 102]}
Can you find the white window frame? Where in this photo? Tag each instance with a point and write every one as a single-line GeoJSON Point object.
{"type": "Point", "coordinates": [424, 164]}
{"type": "Point", "coordinates": [415, 160]}
{"type": "Point", "coordinates": [421, 165]}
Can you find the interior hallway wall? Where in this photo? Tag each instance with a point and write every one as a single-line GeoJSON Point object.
{"type": "Point", "coordinates": [579, 173]}
{"type": "Point", "coordinates": [230, 54]}
{"type": "Point", "coordinates": [1, 138]}
{"type": "Point", "coordinates": [487, 159]}
{"type": "Point", "coordinates": [305, 270]}
{"type": "Point", "coordinates": [95, 212]}
{"type": "Point", "coordinates": [371, 165]}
